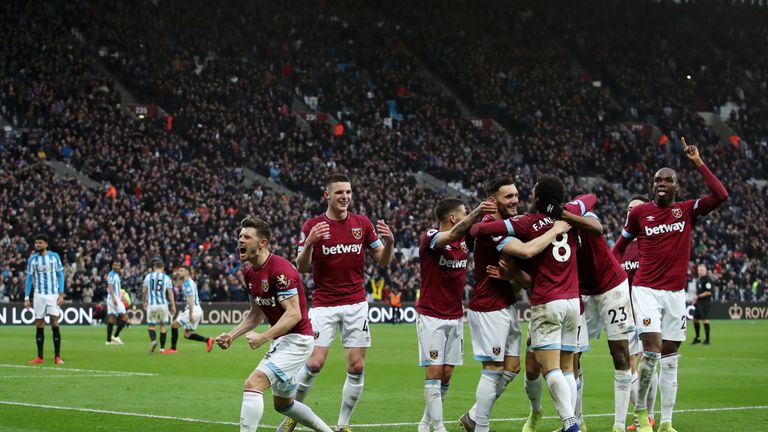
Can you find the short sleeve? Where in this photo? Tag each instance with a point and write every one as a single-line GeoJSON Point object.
{"type": "Point", "coordinates": [287, 282]}
{"type": "Point", "coordinates": [305, 229]}
{"type": "Point", "coordinates": [371, 238]}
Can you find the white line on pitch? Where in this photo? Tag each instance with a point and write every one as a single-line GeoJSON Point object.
{"type": "Point", "coordinates": [369, 425]}
{"type": "Point", "coordinates": [79, 370]}
{"type": "Point", "coordinates": [69, 376]}
{"type": "Point", "coordinates": [131, 414]}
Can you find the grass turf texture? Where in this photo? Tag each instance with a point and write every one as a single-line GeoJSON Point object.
{"type": "Point", "coordinates": [193, 384]}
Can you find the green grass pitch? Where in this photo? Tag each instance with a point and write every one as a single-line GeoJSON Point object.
{"type": "Point", "coordinates": [722, 386]}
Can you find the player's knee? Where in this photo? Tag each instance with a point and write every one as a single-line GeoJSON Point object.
{"type": "Point", "coordinates": [355, 368]}
{"type": "Point", "coordinates": [256, 381]}
{"type": "Point", "coordinates": [281, 404]}
{"type": "Point", "coordinates": [315, 365]}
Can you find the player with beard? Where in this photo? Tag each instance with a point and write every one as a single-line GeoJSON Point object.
{"type": "Point", "coordinates": [276, 293]}
{"type": "Point", "coordinates": [664, 228]}
{"type": "Point", "coordinates": [45, 275]}
{"type": "Point", "coordinates": [492, 314]}
{"type": "Point", "coordinates": [555, 293]}
{"type": "Point", "coordinates": [333, 244]}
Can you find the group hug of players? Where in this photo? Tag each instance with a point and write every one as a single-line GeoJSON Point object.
{"type": "Point", "coordinates": [576, 285]}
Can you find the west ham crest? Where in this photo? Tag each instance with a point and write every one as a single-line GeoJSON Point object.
{"type": "Point", "coordinates": [357, 233]}
{"type": "Point", "coordinates": [265, 285]}
{"type": "Point", "coordinates": [676, 212]}
{"type": "Point", "coordinates": [496, 350]}
{"type": "Point", "coordinates": [646, 322]}
{"type": "Point", "coordinates": [464, 247]}
{"type": "Point", "coordinates": [282, 281]}
{"type": "Point", "coordinates": [433, 354]}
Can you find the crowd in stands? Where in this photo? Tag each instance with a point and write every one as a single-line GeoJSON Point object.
{"type": "Point", "coordinates": [232, 75]}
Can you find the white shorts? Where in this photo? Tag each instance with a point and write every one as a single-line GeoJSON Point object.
{"type": "Point", "coordinates": [158, 314]}
{"type": "Point", "coordinates": [582, 334]}
{"type": "Point", "coordinates": [441, 341]}
{"type": "Point", "coordinates": [555, 325]}
{"type": "Point", "coordinates": [282, 363]}
{"type": "Point", "coordinates": [183, 318]}
{"type": "Point", "coordinates": [352, 319]}
{"type": "Point", "coordinates": [115, 310]}
{"type": "Point", "coordinates": [611, 310]}
{"type": "Point", "coordinates": [660, 311]}
{"type": "Point", "coordinates": [495, 334]}
{"type": "Point", "coordinates": [46, 304]}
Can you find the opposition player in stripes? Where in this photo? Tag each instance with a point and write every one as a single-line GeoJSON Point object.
{"type": "Point", "coordinates": [157, 294]}
{"type": "Point", "coordinates": [190, 317]}
{"type": "Point", "coordinates": [664, 228]}
{"type": "Point", "coordinates": [492, 314]}
{"type": "Point", "coordinates": [443, 256]}
{"type": "Point", "coordinates": [555, 293]}
{"type": "Point", "coordinates": [276, 293]}
{"type": "Point", "coordinates": [334, 244]}
{"type": "Point", "coordinates": [45, 275]}
{"type": "Point", "coordinates": [115, 306]}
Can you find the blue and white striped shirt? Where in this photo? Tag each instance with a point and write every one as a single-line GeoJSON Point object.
{"type": "Point", "coordinates": [190, 289]}
{"type": "Point", "coordinates": [45, 273]}
{"type": "Point", "coordinates": [157, 284]}
{"type": "Point", "coordinates": [114, 279]}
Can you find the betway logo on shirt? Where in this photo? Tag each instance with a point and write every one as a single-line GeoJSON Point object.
{"type": "Point", "coordinates": [452, 263]}
{"type": "Point", "coordinates": [270, 302]}
{"type": "Point", "coordinates": [630, 265]}
{"type": "Point", "coordinates": [665, 228]}
{"type": "Point", "coordinates": [342, 249]}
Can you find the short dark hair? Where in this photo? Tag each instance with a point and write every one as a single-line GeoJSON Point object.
{"type": "Point", "coordinates": [336, 178]}
{"type": "Point", "coordinates": [640, 197]}
{"type": "Point", "coordinates": [157, 262]}
{"type": "Point", "coordinates": [445, 206]}
{"type": "Point", "coordinates": [549, 189]}
{"type": "Point", "coordinates": [42, 236]}
{"type": "Point", "coordinates": [262, 228]}
{"type": "Point", "coordinates": [493, 185]}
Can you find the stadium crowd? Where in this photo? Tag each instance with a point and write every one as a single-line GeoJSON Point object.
{"type": "Point", "coordinates": [176, 189]}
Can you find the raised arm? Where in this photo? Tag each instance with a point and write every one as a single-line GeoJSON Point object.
{"type": "Point", "coordinates": [499, 227]}
{"type": "Point", "coordinates": [576, 213]}
{"type": "Point", "coordinates": [310, 237]}
{"type": "Point", "coordinates": [515, 247]}
{"type": "Point", "coordinates": [384, 251]}
{"type": "Point", "coordinates": [460, 229]}
{"type": "Point", "coordinates": [717, 192]}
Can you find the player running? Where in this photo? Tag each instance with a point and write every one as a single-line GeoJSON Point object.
{"type": "Point", "coordinates": [276, 292]}
{"type": "Point", "coordinates": [664, 228]}
{"type": "Point", "coordinates": [192, 314]}
{"type": "Point", "coordinates": [333, 244]}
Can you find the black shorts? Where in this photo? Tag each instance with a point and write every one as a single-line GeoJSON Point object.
{"type": "Point", "coordinates": [702, 310]}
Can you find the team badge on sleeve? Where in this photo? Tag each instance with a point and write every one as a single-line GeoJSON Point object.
{"type": "Point", "coordinates": [357, 233]}
{"type": "Point", "coordinates": [282, 281]}
{"type": "Point", "coordinates": [265, 285]}
{"type": "Point", "coordinates": [676, 212]}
